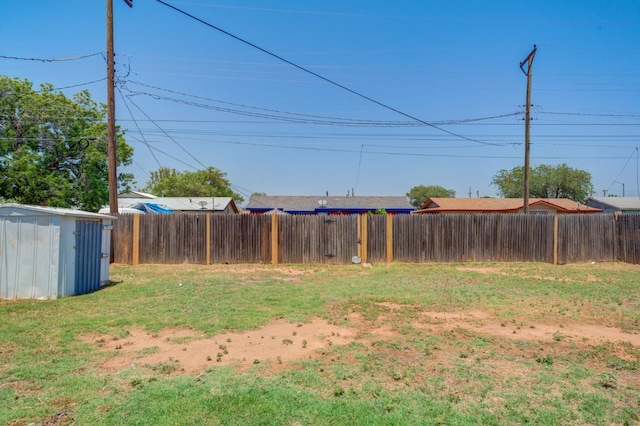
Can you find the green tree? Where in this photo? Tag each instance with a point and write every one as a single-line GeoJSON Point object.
{"type": "Point", "coordinates": [545, 181]}
{"type": "Point", "coordinates": [53, 150]}
{"type": "Point", "coordinates": [210, 182]}
{"type": "Point", "coordinates": [419, 194]}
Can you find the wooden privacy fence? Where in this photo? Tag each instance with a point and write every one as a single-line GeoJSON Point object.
{"type": "Point", "coordinates": [207, 238]}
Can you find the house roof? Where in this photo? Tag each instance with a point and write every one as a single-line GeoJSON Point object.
{"type": "Point", "coordinates": [500, 205]}
{"type": "Point", "coordinates": [136, 194]}
{"type": "Point", "coordinates": [313, 203]}
{"type": "Point", "coordinates": [184, 203]}
{"type": "Point", "coordinates": [616, 203]}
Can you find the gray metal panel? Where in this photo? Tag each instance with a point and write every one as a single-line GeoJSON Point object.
{"type": "Point", "coordinates": [29, 250]}
{"type": "Point", "coordinates": [105, 252]}
{"type": "Point", "coordinates": [88, 256]}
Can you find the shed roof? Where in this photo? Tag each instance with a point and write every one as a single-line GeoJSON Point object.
{"type": "Point", "coordinates": [311, 203]}
{"type": "Point", "coordinates": [12, 209]}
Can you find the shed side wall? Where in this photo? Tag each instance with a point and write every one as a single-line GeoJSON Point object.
{"type": "Point", "coordinates": [29, 257]}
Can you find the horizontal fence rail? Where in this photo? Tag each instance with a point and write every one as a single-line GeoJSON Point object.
{"type": "Point", "coordinates": [215, 238]}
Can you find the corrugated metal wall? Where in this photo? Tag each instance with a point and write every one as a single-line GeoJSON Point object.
{"type": "Point", "coordinates": [88, 256]}
{"type": "Point", "coordinates": [29, 253]}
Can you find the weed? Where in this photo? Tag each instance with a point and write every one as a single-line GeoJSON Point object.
{"type": "Point", "coordinates": [544, 360]}
{"type": "Point", "coordinates": [166, 367]}
{"type": "Point", "coordinates": [622, 364]}
{"type": "Point", "coordinates": [608, 380]}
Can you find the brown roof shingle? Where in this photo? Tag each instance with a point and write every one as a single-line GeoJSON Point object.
{"type": "Point", "coordinates": [499, 205]}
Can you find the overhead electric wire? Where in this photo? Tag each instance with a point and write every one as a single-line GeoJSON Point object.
{"type": "Point", "coordinates": [318, 75]}
{"type": "Point", "coordinates": [168, 135]}
{"type": "Point", "coordinates": [315, 148]}
{"type": "Point", "coordinates": [635, 151]}
{"type": "Point", "coordinates": [74, 58]}
{"type": "Point", "coordinates": [137, 126]}
{"type": "Point", "coordinates": [590, 114]}
{"type": "Point", "coordinates": [330, 120]}
{"type": "Point", "coordinates": [168, 155]}
{"type": "Point", "coordinates": [75, 85]}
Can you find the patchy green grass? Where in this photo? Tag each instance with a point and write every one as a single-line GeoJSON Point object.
{"type": "Point", "coordinates": [405, 367]}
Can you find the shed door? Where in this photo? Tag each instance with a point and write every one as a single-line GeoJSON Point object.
{"type": "Point", "coordinates": [88, 256]}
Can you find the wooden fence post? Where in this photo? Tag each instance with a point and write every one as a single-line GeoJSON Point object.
{"type": "Point", "coordinates": [389, 238]}
{"type": "Point", "coordinates": [274, 239]}
{"type": "Point", "coordinates": [208, 240]}
{"type": "Point", "coordinates": [135, 240]}
{"type": "Point", "coordinates": [555, 239]}
{"type": "Point", "coordinates": [363, 238]}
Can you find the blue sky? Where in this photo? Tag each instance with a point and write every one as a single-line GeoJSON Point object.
{"type": "Point", "coordinates": [190, 96]}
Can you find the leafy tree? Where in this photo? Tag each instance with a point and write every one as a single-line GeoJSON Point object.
{"type": "Point", "coordinates": [53, 150]}
{"type": "Point", "coordinates": [545, 181]}
{"type": "Point", "coordinates": [210, 182]}
{"type": "Point", "coordinates": [419, 194]}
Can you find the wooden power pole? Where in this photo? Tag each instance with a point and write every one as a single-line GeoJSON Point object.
{"type": "Point", "coordinates": [111, 112]}
{"type": "Point", "coordinates": [527, 126]}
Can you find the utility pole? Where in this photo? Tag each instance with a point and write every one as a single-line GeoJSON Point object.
{"type": "Point", "coordinates": [111, 112]}
{"type": "Point", "coordinates": [111, 115]}
{"type": "Point", "coordinates": [527, 125]}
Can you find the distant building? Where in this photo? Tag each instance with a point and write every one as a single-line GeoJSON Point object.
{"type": "Point", "coordinates": [504, 205]}
{"type": "Point", "coordinates": [147, 203]}
{"type": "Point", "coordinates": [328, 205]}
{"type": "Point", "coordinates": [620, 205]}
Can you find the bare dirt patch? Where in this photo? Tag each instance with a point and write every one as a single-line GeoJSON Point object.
{"type": "Point", "coordinates": [281, 342]}
{"type": "Point", "coordinates": [277, 344]}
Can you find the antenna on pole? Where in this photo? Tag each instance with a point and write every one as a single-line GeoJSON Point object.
{"type": "Point", "coordinates": [527, 126]}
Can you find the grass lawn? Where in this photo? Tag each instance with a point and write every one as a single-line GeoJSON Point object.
{"type": "Point", "coordinates": [400, 344]}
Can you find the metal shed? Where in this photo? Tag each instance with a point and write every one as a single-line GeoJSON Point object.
{"type": "Point", "coordinates": [49, 252]}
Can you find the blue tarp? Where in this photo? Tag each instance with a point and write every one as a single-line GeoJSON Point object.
{"type": "Point", "coordinates": [154, 208]}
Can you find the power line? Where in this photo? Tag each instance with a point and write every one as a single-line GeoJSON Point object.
{"type": "Point", "coordinates": [623, 167]}
{"type": "Point", "coordinates": [74, 58]}
{"type": "Point", "coordinates": [167, 154]}
{"type": "Point", "coordinates": [168, 135]}
{"type": "Point", "coordinates": [410, 154]}
{"type": "Point", "coordinates": [330, 120]}
{"type": "Point", "coordinates": [308, 71]}
{"type": "Point", "coordinates": [590, 114]}
{"type": "Point", "coordinates": [124, 100]}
